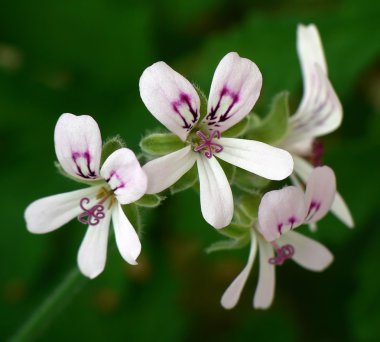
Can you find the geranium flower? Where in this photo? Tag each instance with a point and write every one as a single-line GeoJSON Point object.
{"type": "Point", "coordinates": [280, 212]}
{"type": "Point", "coordinates": [175, 103]}
{"type": "Point", "coordinates": [120, 180]}
{"type": "Point", "coordinates": [319, 113]}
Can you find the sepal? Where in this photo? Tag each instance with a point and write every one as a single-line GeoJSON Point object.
{"type": "Point", "coordinates": [160, 144]}
{"type": "Point", "coordinates": [150, 201]}
{"type": "Point", "coordinates": [239, 129]}
{"type": "Point", "coordinates": [249, 182]}
{"type": "Point", "coordinates": [110, 146]}
{"type": "Point", "coordinates": [274, 126]}
{"type": "Point", "coordinates": [188, 180]}
{"type": "Point", "coordinates": [203, 102]}
{"type": "Point", "coordinates": [224, 245]}
{"type": "Point", "coordinates": [133, 214]}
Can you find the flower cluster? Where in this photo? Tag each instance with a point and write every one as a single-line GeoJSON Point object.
{"type": "Point", "coordinates": [215, 145]}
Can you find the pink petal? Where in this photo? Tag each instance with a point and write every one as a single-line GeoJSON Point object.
{"type": "Point", "coordinates": [78, 145]}
{"type": "Point", "coordinates": [280, 211]}
{"type": "Point", "coordinates": [320, 193]}
{"type": "Point", "coordinates": [170, 98]}
{"type": "Point", "coordinates": [124, 175]}
{"type": "Point", "coordinates": [234, 90]}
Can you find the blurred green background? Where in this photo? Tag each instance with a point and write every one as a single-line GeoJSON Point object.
{"type": "Point", "coordinates": [86, 57]}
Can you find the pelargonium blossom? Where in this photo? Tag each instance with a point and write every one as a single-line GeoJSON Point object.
{"type": "Point", "coordinates": [280, 212]}
{"type": "Point", "coordinates": [172, 99]}
{"type": "Point", "coordinates": [319, 113]}
{"type": "Point", "coordinates": [120, 180]}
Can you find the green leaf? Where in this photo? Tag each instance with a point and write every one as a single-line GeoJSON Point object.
{"type": "Point", "coordinates": [133, 214]}
{"type": "Point", "coordinates": [159, 144]}
{"type": "Point", "coordinates": [230, 244]}
{"type": "Point", "coordinates": [189, 179]}
{"type": "Point", "coordinates": [150, 201]}
{"type": "Point", "coordinates": [239, 129]}
{"type": "Point", "coordinates": [110, 146]}
{"type": "Point", "coordinates": [275, 125]}
{"type": "Point", "coordinates": [249, 182]}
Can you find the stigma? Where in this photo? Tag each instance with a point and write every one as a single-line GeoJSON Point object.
{"type": "Point", "coordinates": [283, 253]}
{"type": "Point", "coordinates": [208, 145]}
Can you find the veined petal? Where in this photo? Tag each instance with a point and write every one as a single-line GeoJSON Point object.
{"type": "Point", "coordinates": [170, 98]}
{"type": "Point", "coordinates": [217, 203]}
{"type": "Point", "coordinates": [232, 294]}
{"type": "Point", "coordinates": [339, 208]}
{"type": "Point", "coordinates": [235, 88]}
{"type": "Point", "coordinates": [320, 193]}
{"type": "Point", "coordinates": [78, 145]}
{"type": "Point", "coordinates": [127, 239]}
{"type": "Point", "coordinates": [308, 253]}
{"type": "Point", "coordinates": [264, 293]}
{"type": "Point", "coordinates": [256, 157]}
{"type": "Point", "coordinates": [92, 253]}
{"type": "Point", "coordinates": [165, 171]}
{"type": "Point", "coordinates": [281, 211]}
{"type": "Point", "coordinates": [124, 175]}
{"type": "Point", "coordinates": [50, 213]}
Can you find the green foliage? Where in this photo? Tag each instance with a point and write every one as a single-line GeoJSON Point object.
{"type": "Point", "coordinates": [160, 144]}
{"type": "Point", "coordinates": [274, 126]}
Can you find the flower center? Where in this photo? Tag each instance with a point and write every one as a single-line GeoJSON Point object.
{"type": "Point", "coordinates": [94, 214]}
{"type": "Point", "coordinates": [283, 253]}
{"type": "Point", "coordinates": [208, 145]}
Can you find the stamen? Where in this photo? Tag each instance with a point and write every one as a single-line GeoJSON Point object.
{"type": "Point", "coordinates": [283, 253]}
{"type": "Point", "coordinates": [207, 143]}
{"type": "Point", "coordinates": [93, 215]}
{"type": "Point", "coordinates": [317, 153]}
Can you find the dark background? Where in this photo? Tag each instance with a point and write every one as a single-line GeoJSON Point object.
{"type": "Point", "coordinates": [86, 57]}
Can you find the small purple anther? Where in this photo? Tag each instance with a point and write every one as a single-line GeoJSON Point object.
{"type": "Point", "coordinates": [207, 143]}
{"type": "Point", "coordinates": [283, 253]}
{"type": "Point", "coordinates": [93, 215]}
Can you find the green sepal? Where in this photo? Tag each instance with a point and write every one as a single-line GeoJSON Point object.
{"type": "Point", "coordinates": [110, 146]}
{"type": "Point", "coordinates": [234, 231]}
{"type": "Point", "coordinates": [274, 126]}
{"type": "Point", "coordinates": [63, 173]}
{"type": "Point", "coordinates": [189, 179]}
{"type": "Point", "coordinates": [150, 201]}
{"type": "Point", "coordinates": [203, 104]}
{"type": "Point", "coordinates": [133, 214]}
{"type": "Point", "coordinates": [160, 144]}
{"type": "Point", "coordinates": [249, 182]}
{"type": "Point", "coordinates": [229, 244]}
{"type": "Point", "coordinates": [229, 170]}
{"type": "Point", "coordinates": [239, 129]}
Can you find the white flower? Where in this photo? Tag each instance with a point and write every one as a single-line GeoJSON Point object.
{"type": "Point", "coordinates": [319, 113]}
{"type": "Point", "coordinates": [175, 103]}
{"type": "Point", "coordinates": [120, 180]}
{"type": "Point", "coordinates": [280, 212]}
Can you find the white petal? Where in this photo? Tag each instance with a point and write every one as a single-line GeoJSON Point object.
{"type": "Point", "coordinates": [320, 193]}
{"type": "Point", "coordinates": [78, 145]}
{"type": "Point", "coordinates": [92, 253]}
{"type": "Point", "coordinates": [308, 253]}
{"type": "Point", "coordinates": [280, 211]}
{"type": "Point", "coordinates": [50, 213]}
{"type": "Point", "coordinates": [124, 175]}
{"type": "Point", "coordinates": [256, 157]}
{"type": "Point", "coordinates": [170, 98]}
{"type": "Point", "coordinates": [232, 294]}
{"type": "Point", "coordinates": [127, 239]}
{"type": "Point", "coordinates": [340, 209]}
{"type": "Point", "coordinates": [217, 203]}
{"type": "Point", "coordinates": [235, 88]}
{"type": "Point", "coordinates": [264, 293]}
{"type": "Point", "coordinates": [165, 171]}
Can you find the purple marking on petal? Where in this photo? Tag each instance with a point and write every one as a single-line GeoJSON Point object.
{"type": "Point", "coordinates": [88, 174]}
{"type": "Point", "coordinates": [317, 153]}
{"type": "Point", "coordinates": [313, 208]}
{"type": "Point", "coordinates": [208, 144]}
{"type": "Point", "coordinates": [185, 99]}
{"type": "Point", "coordinates": [292, 220]}
{"type": "Point", "coordinates": [279, 228]}
{"type": "Point", "coordinates": [114, 174]}
{"type": "Point", "coordinates": [283, 253]}
{"type": "Point", "coordinates": [212, 118]}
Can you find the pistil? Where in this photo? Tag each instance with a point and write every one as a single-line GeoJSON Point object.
{"type": "Point", "coordinates": [208, 144]}
{"type": "Point", "coordinates": [283, 253]}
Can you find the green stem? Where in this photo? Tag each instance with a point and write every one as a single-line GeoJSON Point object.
{"type": "Point", "coordinates": [52, 305]}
